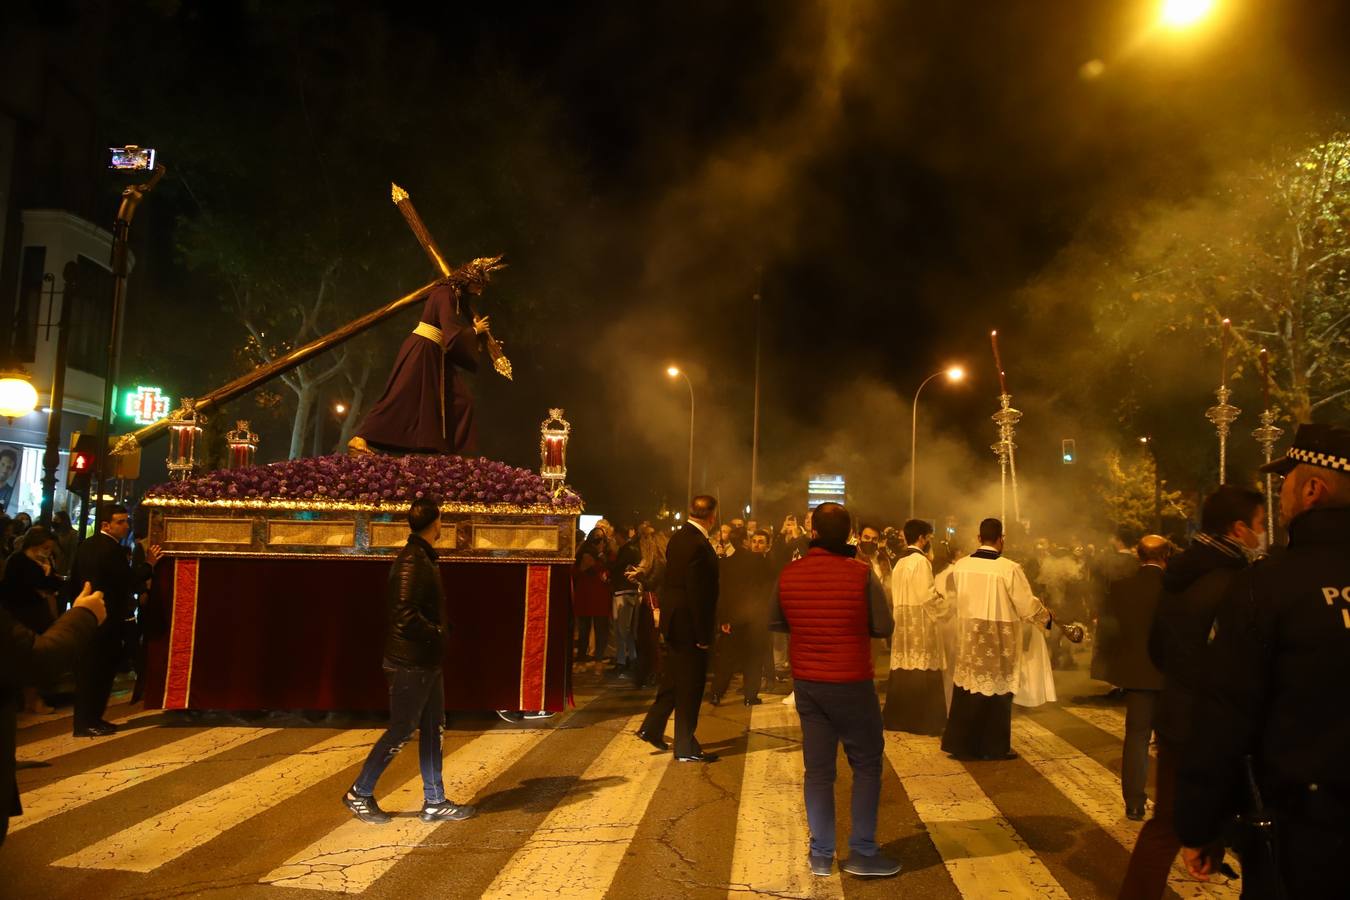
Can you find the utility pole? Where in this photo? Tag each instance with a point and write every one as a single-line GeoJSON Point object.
{"type": "Point", "coordinates": [131, 198]}
{"type": "Point", "coordinates": [51, 457]}
{"type": "Point", "coordinates": [754, 437]}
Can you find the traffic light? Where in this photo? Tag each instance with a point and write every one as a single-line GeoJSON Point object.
{"type": "Point", "coordinates": [1068, 451]}
{"type": "Point", "coordinates": [80, 467]}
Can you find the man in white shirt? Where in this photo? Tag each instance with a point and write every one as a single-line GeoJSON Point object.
{"type": "Point", "coordinates": [992, 598]}
{"type": "Point", "coordinates": [915, 700]}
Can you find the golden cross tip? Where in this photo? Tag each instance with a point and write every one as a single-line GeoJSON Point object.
{"type": "Point", "coordinates": [398, 193]}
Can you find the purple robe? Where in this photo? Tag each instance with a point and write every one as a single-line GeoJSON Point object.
{"type": "Point", "coordinates": [426, 406]}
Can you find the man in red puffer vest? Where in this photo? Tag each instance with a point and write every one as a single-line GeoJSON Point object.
{"type": "Point", "coordinates": [833, 605]}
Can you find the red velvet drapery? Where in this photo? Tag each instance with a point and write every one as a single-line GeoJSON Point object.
{"type": "Point", "coordinates": [258, 633]}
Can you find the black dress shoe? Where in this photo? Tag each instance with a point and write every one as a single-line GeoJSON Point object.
{"type": "Point", "coordinates": [658, 742]}
{"type": "Point", "coordinates": [1134, 814]}
{"type": "Point", "coordinates": [108, 725]}
{"type": "Point", "coordinates": [715, 699]}
{"type": "Point", "coordinates": [753, 701]}
{"type": "Point", "coordinates": [700, 756]}
{"type": "Point", "coordinates": [99, 730]}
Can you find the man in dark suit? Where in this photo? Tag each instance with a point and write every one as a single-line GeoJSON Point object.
{"type": "Point", "coordinates": [688, 623]}
{"type": "Point", "coordinates": [1122, 648]}
{"type": "Point", "coordinates": [105, 562]}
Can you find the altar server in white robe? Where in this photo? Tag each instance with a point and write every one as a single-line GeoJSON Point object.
{"type": "Point", "coordinates": [915, 701]}
{"type": "Point", "coordinates": [993, 601]}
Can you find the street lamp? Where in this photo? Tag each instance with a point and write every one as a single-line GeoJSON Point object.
{"type": "Point", "coordinates": [674, 372]}
{"type": "Point", "coordinates": [1180, 14]}
{"type": "Point", "coordinates": [954, 374]}
{"type": "Point", "coordinates": [340, 408]}
{"type": "Point", "coordinates": [18, 397]}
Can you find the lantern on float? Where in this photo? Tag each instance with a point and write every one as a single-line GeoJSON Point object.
{"type": "Point", "coordinates": [18, 397]}
{"type": "Point", "coordinates": [553, 436]}
{"type": "Point", "coordinates": [243, 445]}
{"type": "Point", "coordinates": [184, 434]}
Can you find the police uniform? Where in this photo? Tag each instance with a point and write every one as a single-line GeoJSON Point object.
{"type": "Point", "coordinates": [1279, 662]}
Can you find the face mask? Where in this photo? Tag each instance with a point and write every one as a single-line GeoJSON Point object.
{"type": "Point", "coordinates": [868, 547]}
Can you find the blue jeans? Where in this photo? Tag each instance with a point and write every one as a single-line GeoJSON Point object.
{"type": "Point", "coordinates": [416, 702]}
{"type": "Point", "coordinates": [625, 616]}
{"type": "Point", "coordinates": [831, 713]}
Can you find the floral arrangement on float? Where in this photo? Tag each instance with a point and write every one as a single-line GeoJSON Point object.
{"type": "Point", "coordinates": [372, 482]}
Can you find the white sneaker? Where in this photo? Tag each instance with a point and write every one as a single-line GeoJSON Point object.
{"type": "Point", "coordinates": [791, 700]}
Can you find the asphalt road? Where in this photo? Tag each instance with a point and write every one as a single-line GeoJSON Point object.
{"type": "Point", "coordinates": [574, 807]}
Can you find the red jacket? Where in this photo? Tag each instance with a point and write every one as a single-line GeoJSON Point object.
{"type": "Point", "coordinates": [824, 600]}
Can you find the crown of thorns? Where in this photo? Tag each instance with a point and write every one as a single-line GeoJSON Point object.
{"type": "Point", "coordinates": [479, 271]}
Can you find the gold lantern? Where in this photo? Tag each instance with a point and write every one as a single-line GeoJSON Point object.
{"type": "Point", "coordinates": [553, 436]}
{"type": "Point", "coordinates": [184, 434]}
{"type": "Point", "coordinates": [243, 445]}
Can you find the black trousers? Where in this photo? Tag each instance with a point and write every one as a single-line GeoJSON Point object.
{"type": "Point", "coordinates": [683, 673]}
{"type": "Point", "coordinates": [585, 626]}
{"type": "Point", "coordinates": [741, 651]}
{"type": "Point", "coordinates": [978, 725]}
{"type": "Point", "coordinates": [1139, 709]}
{"type": "Point", "coordinates": [95, 669]}
{"type": "Point", "coordinates": [648, 645]}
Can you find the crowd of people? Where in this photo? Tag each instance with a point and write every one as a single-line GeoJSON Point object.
{"type": "Point", "coordinates": [42, 569]}
{"type": "Point", "coordinates": [1231, 657]}
{"type": "Point", "coordinates": [66, 607]}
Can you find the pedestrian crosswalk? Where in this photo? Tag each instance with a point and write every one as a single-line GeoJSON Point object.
{"type": "Point", "coordinates": [101, 812]}
{"type": "Point", "coordinates": [983, 853]}
{"type": "Point", "coordinates": [770, 852]}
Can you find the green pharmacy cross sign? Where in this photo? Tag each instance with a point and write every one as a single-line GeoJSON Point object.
{"type": "Point", "coordinates": [146, 405]}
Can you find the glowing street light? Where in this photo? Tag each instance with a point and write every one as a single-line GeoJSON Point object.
{"type": "Point", "coordinates": [18, 397]}
{"type": "Point", "coordinates": [1180, 14]}
{"type": "Point", "coordinates": [674, 372]}
{"type": "Point", "coordinates": [954, 375]}
{"type": "Point", "coordinates": [340, 408]}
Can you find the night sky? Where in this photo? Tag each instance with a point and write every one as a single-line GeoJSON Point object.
{"type": "Point", "coordinates": [891, 176]}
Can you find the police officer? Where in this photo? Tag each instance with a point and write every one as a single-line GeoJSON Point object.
{"type": "Point", "coordinates": [1280, 666]}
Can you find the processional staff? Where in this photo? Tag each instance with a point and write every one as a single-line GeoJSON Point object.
{"type": "Point", "coordinates": [1267, 434]}
{"type": "Point", "coordinates": [1005, 449]}
{"type": "Point", "coordinates": [1224, 414]}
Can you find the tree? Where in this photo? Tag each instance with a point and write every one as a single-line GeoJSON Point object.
{"type": "Point", "coordinates": [1269, 249]}
{"type": "Point", "coordinates": [1126, 487]}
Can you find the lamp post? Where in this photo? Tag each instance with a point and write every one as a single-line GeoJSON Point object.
{"type": "Point", "coordinates": [131, 199]}
{"type": "Point", "coordinates": [675, 372]}
{"type": "Point", "coordinates": [954, 374]}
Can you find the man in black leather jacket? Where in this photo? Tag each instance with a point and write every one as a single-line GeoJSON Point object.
{"type": "Point", "coordinates": [414, 644]}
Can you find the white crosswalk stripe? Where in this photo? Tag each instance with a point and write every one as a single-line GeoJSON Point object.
{"type": "Point", "coordinates": [1107, 718]}
{"type": "Point", "coordinates": [577, 849]}
{"type": "Point", "coordinates": [168, 835]}
{"type": "Point", "coordinates": [770, 854]}
{"type": "Point", "coordinates": [983, 853]}
{"type": "Point", "coordinates": [584, 840]}
{"type": "Point", "coordinates": [1095, 790]}
{"type": "Point", "coordinates": [352, 857]}
{"type": "Point", "coordinates": [50, 748]}
{"type": "Point", "coordinates": [71, 793]}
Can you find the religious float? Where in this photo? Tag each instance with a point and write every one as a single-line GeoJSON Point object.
{"type": "Point", "coordinates": [271, 587]}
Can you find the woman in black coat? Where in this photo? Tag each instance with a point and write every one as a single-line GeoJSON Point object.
{"type": "Point", "coordinates": [25, 658]}
{"type": "Point", "coordinates": [28, 592]}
